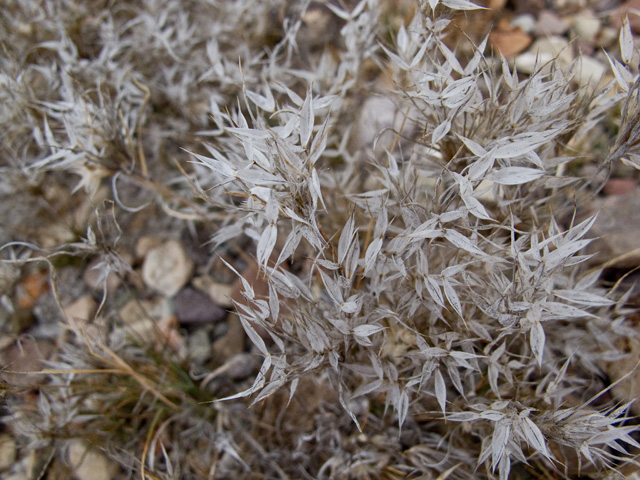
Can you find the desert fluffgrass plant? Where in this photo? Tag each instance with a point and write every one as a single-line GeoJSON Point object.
{"type": "Point", "coordinates": [429, 311]}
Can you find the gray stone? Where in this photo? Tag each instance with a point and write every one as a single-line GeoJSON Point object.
{"type": "Point", "coordinates": [629, 388]}
{"type": "Point", "coordinates": [167, 268]}
{"type": "Point", "coordinates": [238, 367]}
{"type": "Point", "coordinates": [232, 342]}
{"type": "Point", "coordinates": [555, 46]}
{"type": "Point", "coordinates": [199, 346]}
{"type": "Point", "coordinates": [135, 310]}
{"type": "Point", "coordinates": [145, 244]}
{"type": "Point", "coordinates": [543, 52]}
{"type": "Point", "coordinates": [141, 320]}
{"type": "Point", "coordinates": [586, 25]}
{"type": "Point", "coordinates": [379, 115]}
{"type": "Point", "coordinates": [551, 24]}
{"type": "Point", "coordinates": [81, 310]}
{"type": "Point", "coordinates": [89, 463]}
{"type": "Point", "coordinates": [8, 451]}
{"type": "Point", "coordinates": [220, 293]}
{"type": "Point", "coordinates": [617, 230]}
{"type": "Point", "coordinates": [589, 71]}
{"type": "Point", "coordinates": [193, 306]}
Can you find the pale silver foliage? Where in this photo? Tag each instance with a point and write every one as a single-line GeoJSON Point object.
{"type": "Point", "coordinates": [427, 291]}
{"type": "Point", "coordinates": [442, 277]}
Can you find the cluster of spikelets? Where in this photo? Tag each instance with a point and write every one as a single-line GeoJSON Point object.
{"type": "Point", "coordinates": [433, 282]}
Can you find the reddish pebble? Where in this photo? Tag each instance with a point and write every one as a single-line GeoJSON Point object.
{"type": "Point", "coordinates": [619, 186]}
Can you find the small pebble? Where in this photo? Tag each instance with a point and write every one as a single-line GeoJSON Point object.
{"type": "Point", "coordinates": [8, 451]}
{"type": "Point", "coordinates": [508, 39]}
{"type": "Point", "coordinates": [199, 346]}
{"type": "Point", "coordinates": [27, 356]}
{"type": "Point", "coordinates": [193, 306]}
{"type": "Point", "coordinates": [589, 71]}
{"type": "Point", "coordinates": [167, 268]}
{"type": "Point", "coordinates": [238, 367]}
{"type": "Point", "coordinates": [619, 186]}
{"type": "Point", "coordinates": [145, 244]}
{"type": "Point", "coordinates": [551, 24]}
{"type": "Point", "coordinates": [586, 25]}
{"type": "Point", "coordinates": [378, 112]}
{"type": "Point", "coordinates": [526, 22]}
{"type": "Point", "coordinates": [135, 310]}
{"type": "Point", "coordinates": [543, 51]}
{"type": "Point", "coordinates": [220, 293]}
{"type": "Point", "coordinates": [82, 309]}
{"type": "Point", "coordinates": [616, 231]}
{"type": "Point", "coordinates": [90, 464]}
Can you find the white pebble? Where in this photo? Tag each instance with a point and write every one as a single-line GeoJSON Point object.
{"type": "Point", "coordinates": [167, 268]}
